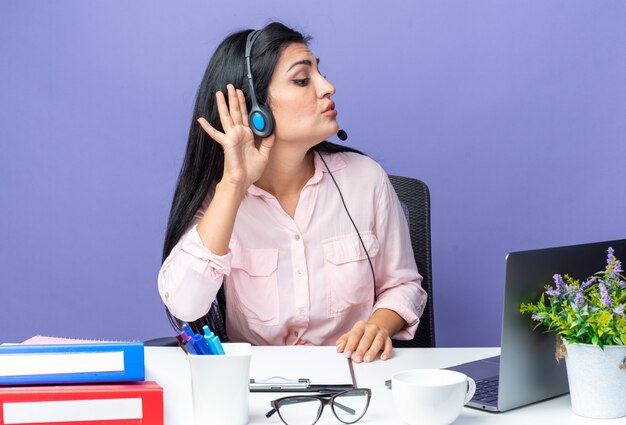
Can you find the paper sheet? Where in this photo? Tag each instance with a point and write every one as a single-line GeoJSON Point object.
{"type": "Point", "coordinates": [321, 365]}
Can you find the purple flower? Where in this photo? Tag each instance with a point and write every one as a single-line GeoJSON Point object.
{"type": "Point", "coordinates": [617, 267]}
{"type": "Point", "coordinates": [537, 317]}
{"type": "Point", "coordinates": [558, 280]}
{"type": "Point", "coordinates": [551, 292]}
{"type": "Point", "coordinates": [589, 282]}
{"type": "Point", "coordinates": [560, 285]}
{"type": "Point", "coordinates": [579, 300]}
{"type": "Point", "coordinates": [610, 257]}
{"type": "Point", "coordinates": [606, 298]}
{"type": "Point", "coordinates": [620, 310]}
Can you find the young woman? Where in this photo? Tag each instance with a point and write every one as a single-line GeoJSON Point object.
{"type": "Point", "coordinates": [288, 239]}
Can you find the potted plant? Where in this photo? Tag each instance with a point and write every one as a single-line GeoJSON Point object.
{"type": "Point", "coordinates": [588, 319]}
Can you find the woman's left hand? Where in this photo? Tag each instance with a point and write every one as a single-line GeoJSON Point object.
{"type": "Point", "coordinates": [365, 341]}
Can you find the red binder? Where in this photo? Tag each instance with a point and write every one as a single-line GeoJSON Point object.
{"type": "Point", "coordinates": [136, 403]}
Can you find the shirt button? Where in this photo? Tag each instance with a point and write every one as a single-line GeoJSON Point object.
{"type": "Point", "coordinates": [302, 312]}
{"type": "Point", "coordinates": [167, 295]}
{"type": "Point", "coordinates": [297, 237]}
{"type": "Point", "coordinates": [300, 273]}
{"type": "Point", "coordinates": [296, 334]}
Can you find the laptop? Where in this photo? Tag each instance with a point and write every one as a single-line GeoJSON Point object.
{"type": "Point", "coordinates": [526, 370]}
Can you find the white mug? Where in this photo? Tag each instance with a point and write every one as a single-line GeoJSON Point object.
{"type": "Point", "coordinates": [220, 386]}
{"type": "Point", "coordinates": [431, 396]}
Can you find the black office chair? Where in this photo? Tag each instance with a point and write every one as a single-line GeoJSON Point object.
{"type": "Point", "coordinates": [415, 199]}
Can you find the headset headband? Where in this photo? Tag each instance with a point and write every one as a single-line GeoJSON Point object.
{"type": "Point", "coordinates": [249, 43]}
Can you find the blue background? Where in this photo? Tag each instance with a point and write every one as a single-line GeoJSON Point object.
{"type": "Point", "coordinates": [513, 112]}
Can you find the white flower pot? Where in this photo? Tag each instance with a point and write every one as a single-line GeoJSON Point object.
{"type": "Point", "coordinates": [597, 380]}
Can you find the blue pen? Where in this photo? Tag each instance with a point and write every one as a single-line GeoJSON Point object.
{"type": "Point", "coordinates": [200, 344]}
{"type": "Point", "coordinates": [211, 345]}
{"type": "Point", "coordinates": [218, 345]}
{"type": "Point", "coordinates": [191, 348]}
{"type": "Point", "coordinates": [188, 343]}
{"type": "Point", "coordinates": [208, 336]}
{"type": "Point", "coordinates": [187, 330]}
{"type": "Point", "coordinates": [197, 341]}
{"type": "Point", "coordinates": [213, 340]}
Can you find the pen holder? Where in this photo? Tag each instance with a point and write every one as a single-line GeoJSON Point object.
{"type": "Point", "coordinates": [220, 386]}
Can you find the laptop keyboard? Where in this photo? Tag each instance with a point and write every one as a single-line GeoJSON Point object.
{"type": "Point", "coordinates": [486, 390]}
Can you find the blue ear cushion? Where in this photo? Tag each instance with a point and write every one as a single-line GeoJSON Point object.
{"type": "Point", "coordinates": [262, 121]}
{"type": "Point", "coordinates": [258, 121]}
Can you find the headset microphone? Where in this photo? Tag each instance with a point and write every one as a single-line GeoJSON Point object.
{"type": "Point", "coordinates": [342, 135]}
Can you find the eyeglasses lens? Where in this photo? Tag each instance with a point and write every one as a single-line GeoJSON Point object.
{"type": "Point", "coordinates": [350, 406]}
{"type": "Point", "coordinates": [301, 410]}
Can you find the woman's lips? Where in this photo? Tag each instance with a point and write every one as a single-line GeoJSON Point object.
{"type": "Point", "coordinates": [330, 110]}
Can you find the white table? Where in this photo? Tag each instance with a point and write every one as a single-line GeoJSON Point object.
{"type": "Point", "coordinates": [169, 367]}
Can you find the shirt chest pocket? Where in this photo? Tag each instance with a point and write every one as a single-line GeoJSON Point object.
{"type": "Point", "coordinates": [347, 271]}
{"type": "Point", "coordinates": [253, 285]}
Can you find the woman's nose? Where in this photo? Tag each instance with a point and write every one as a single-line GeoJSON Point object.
{"type": "Point", "coordinates": [326, 88]}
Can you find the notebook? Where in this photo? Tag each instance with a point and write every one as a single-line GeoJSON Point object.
{"type": "Point", "coordinates": [526, 370]}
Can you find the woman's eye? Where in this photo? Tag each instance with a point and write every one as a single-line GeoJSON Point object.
{"type": "Point", "coordinates": [302, 82]}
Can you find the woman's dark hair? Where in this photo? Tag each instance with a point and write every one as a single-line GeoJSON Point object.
{"type": "Point", "coordinates": [203, 164]}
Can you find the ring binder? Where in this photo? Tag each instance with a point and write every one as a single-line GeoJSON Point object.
{"type": "Point", "coordinates": [71, 363]}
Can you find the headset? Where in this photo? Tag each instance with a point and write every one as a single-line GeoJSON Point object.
{"type": "Point", "coordinates": [260, 118]}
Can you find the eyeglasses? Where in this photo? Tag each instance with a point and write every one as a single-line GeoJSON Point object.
{"type": "Point", "coordinates": [348, 406]}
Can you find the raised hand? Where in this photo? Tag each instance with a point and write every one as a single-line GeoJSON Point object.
{"type": "Point", "coordinates": [244, 157]}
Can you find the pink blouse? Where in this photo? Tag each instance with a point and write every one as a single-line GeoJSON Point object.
{"type": "Point", "coordinates": [304, 280]}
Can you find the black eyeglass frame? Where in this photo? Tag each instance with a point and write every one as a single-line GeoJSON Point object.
{"type": "Point", "coordinates": [325, 399]}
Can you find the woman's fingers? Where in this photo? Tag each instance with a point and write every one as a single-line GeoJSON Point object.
{"type": "Point", "coordinates": [212, 132]}
{"type": "Point", "coordinates": [375, 347]}
{"type": "Point", "coordinates": [341, 342]}
{"type": "Point", "coordinates": [353, 338]}
{"type": "Point", "coordinates": [266, 146]}
{"type": "Point", "coordinates": [387, 351]}
{"type": "Point", "coordinates": [222, 108]}
{"type": "Point", "coordinates": [233, 103]}
{"type": "Point", "coordinates": [371, 341]}
{"type": "Point", "coordinates": [364, 342]}
{"type": "Point", "coordinates": [243, 107]}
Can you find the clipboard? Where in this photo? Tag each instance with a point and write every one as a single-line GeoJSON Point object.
{"type": "Point", "coordinates": [278, 384]}
{"type": "Point", "coordinates": [313, 369]}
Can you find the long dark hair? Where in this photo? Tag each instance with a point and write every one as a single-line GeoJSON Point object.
{"type": "Point", "coordinates": [203, 164]}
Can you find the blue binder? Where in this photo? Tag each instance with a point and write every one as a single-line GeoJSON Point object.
{"type": "Point", "coordinates": [71, 363]}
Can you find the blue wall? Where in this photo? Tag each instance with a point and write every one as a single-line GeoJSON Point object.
{"type": "Point", "coordinates": [512, 111]}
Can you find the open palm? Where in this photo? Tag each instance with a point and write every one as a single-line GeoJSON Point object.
{"type": "Point", "coordinates": [244, 157]}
